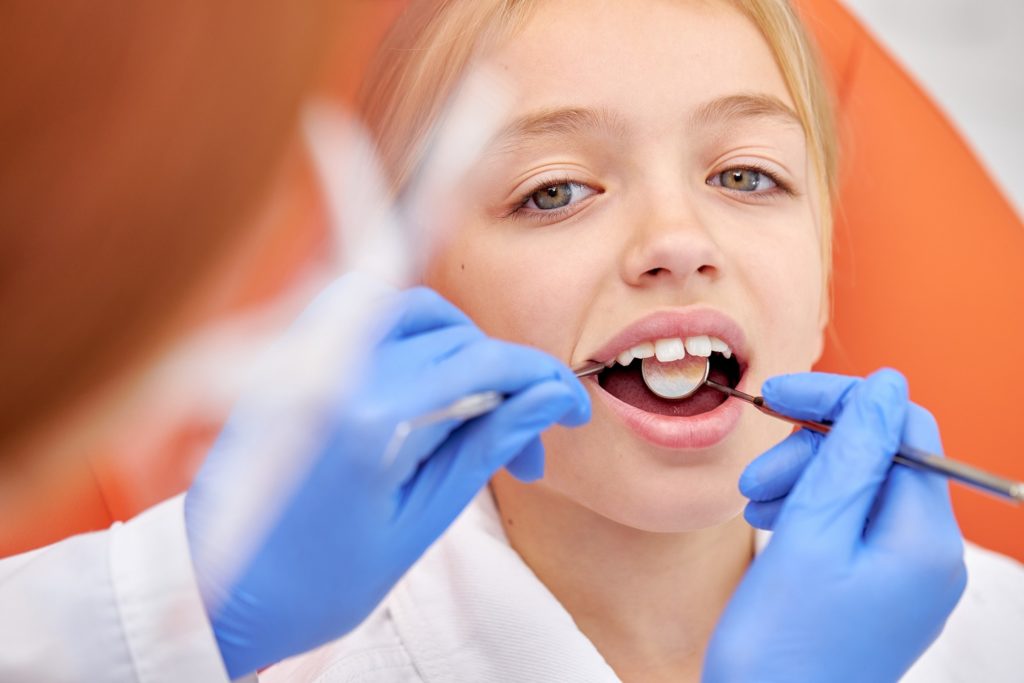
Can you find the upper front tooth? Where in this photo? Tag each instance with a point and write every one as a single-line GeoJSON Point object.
{"type": "Point", "coordinates": [721, 347]}
{"type": "Point", "coordinates": [668, 350]}
{"type": "Point", "coordinates": [625, 358]}
{"type": "Point", "coordinates": [699, 346]}
{"type": "Point", "coordinates": [644, 350]}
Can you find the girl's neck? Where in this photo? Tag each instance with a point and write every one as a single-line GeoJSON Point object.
{"type": "Point", "coordinates": [648, 601]}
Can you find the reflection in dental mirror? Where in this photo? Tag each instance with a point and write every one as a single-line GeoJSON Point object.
{"type": "Point", "coordinates": [677, 379]}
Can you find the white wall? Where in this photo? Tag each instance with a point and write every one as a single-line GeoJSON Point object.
{"type": "Point", "coordinates": [969, 55]}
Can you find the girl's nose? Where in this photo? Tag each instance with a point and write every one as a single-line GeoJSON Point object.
{"type": "Point", "coordinates": [673, 246]}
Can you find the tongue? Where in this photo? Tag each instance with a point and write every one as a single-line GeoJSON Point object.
{"type": "Point", "coordinates": [627, 385]}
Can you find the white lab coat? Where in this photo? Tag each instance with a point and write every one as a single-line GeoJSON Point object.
{"type": "Point", "coordinates": [471, 610]}
{"type": "Point", "coordinates": [117, 605]}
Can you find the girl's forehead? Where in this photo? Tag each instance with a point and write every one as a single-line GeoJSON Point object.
{"type": "Point", "coordinates": [672, 59]}
{"type": "Point", "coordinates": [606, 65]}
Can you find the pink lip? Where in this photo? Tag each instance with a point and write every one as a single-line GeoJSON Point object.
{"type": "Point", "coordinates": [700, 431]}
{"type": "Point", "coordinates": [696, 432]}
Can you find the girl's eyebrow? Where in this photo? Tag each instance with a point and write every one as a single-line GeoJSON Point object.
{"type": "Point", "coordinates": [730, 108]}
{"type": "Point", "coordinates": [557, 123]}
{"type": "Point", "coordinates": [577, 121]}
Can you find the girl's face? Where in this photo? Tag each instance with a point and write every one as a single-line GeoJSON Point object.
{"type": "Point", "coordinates": [652, 183]}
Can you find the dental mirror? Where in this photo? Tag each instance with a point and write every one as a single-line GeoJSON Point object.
{"type": "Point", "coordinates": [675, 380]}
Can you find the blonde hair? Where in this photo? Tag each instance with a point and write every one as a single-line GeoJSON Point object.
{"type": "Point", "coordinates": [428, 50]}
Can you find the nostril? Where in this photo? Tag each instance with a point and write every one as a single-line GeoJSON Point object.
{"type": "Point", "coordinates": [658, 272]}
{"type": "Point", "coordinates": [703, 270]}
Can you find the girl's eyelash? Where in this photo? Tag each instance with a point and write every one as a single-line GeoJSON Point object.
{"type": "Point", "coordinates": [545, 184]}
{"type": "Point", "coordinates": [519, 210]}
{"type": "Point", "coordinates": [763, 170]}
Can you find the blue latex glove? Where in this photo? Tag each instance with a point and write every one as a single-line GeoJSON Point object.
{"type": "Point", "coordinates": [354, 525]}
{"type": "Point", "coordinates": [866, 560]}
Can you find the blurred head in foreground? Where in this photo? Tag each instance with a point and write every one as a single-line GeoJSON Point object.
{"type": "Point", "coordinates": [139, 144]}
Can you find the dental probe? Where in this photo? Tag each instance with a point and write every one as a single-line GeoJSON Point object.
{"type": "Point", "coordinates": [669, 381]}
{"type": "Point", "coordinates": [1012, 491]}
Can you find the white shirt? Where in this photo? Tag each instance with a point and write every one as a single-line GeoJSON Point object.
{"type": "Point", "coordinates": [471, 610]}
{"type": "Point", "coordinates": [117, 605]}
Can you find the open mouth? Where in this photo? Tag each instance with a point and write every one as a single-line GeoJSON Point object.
{"type": "Point", "coordinates": [624, 380]}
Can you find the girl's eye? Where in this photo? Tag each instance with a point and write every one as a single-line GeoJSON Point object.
{"type": "Point", "coordinates": [744, 180]}
{"type": "Point", "coordinates": [557, 196]}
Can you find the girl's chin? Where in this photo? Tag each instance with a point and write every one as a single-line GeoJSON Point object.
{"type": "Point", "coordinates": [645, 487]}
{"type": "Point", "coordinates": [658, 505]}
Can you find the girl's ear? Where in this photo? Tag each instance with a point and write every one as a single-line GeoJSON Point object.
{"type": "Point", "coordinates": [824, 313]}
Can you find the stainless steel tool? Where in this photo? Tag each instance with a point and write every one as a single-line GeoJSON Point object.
{"type": "Point", "coordinates": [690, 377]}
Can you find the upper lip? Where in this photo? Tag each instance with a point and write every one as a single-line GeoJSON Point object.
{"type": "Point", "coordinates": [686, 322]}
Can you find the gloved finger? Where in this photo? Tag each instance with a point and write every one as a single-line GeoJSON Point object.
{"type": "Point", "coordinates": [464, 464]}
{"type": "Point", "coordinates": [494, 365]}
{"type": "Point", "coordinates": [914, 506]}
{"type": "Point", "coordinates": [528, 466]}
{"type": "Point", "coordinates": [433, 346]}
{"type": "Point", "coordinates": [763, 515]}
{"type": "Point", "coordinates": [420, 310]}
{"type": "Point", "coordinates": [809, 395]}
{"type": "Point", "coordinates": [772, 474]}
{"type": "Point", "coordinates": [486, 365]}
{"type": "Point", "coordinates": [838, 488]}
{"type": "Point", "coordinates": [490, 443]}
{"type": "Point", "coordinates": [408, 448]}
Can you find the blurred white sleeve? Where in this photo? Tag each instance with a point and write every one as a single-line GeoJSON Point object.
{"type": "Point", "coordinates": [117, 605]}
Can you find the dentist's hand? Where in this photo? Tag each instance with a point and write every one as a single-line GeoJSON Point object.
{"type": "Point", "coordinates": [352, 524]}
{"type": "Point", "coordinates": [866, 560]}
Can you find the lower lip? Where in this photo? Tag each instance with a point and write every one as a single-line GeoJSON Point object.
{"type": "Point", "coordinates": [699, 431]}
